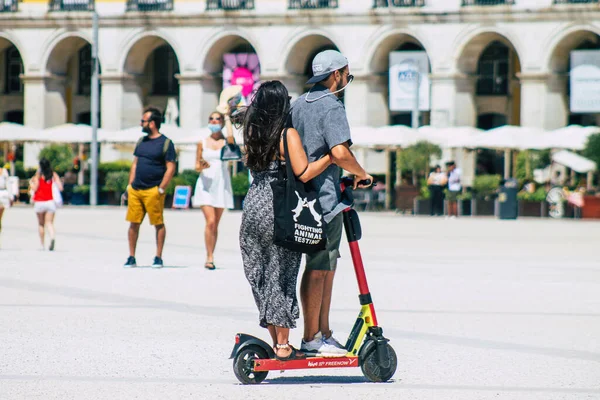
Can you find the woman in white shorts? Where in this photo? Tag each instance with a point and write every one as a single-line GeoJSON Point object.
{"type": "Point", "coordinates": [44, 205]}
{"type": "Point", "coordinates": [6, 197]}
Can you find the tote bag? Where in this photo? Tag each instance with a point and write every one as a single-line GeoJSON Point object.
{"type": "Point", "coordinates": [56, 196]}
{"type": "Point", "coordinates": [299, 224]}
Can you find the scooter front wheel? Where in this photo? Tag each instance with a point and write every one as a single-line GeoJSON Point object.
{"type": "Point", "coordinates": [372, 369]}
{"type": "Point", "coordinates": [243, 365]}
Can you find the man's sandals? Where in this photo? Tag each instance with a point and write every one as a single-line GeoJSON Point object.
{"type": "Point", "coordinates": [294, 354]}
{"type": "Point", "coordinates": [210, 265]}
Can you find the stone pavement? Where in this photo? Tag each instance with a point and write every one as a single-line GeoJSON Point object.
{"type": "Point", "coordinates": [475, 309]}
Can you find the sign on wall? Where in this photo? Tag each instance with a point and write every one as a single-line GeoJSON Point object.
{"type": "Point", "coordinates": [405, 67]}
{"type": "Point", "coordinates": [585, 81]}
{"type": "Point", "coordinates": [242, 69]}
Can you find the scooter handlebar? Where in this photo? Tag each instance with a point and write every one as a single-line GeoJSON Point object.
{"type": "Point", "coordinates": [348, 182]}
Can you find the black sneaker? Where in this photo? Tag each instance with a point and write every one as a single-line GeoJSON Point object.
{"type": "Point", "coordinates": [130, 263]}
{"type": "Point", "coordinates": [158, 262]}
{"type": "Point", "coordinates": [51, 248]}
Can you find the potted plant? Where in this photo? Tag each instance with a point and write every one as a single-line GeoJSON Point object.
{"type": "Point", "coordinates": [422, 203]}
{"type": "Point", "coordinates": [115, 185]}
{"type": "Point", "coordinates": [465, 204]}
{"type": "Point", "coordinates": [240, 184]}
{"type": "Point", "coordinates": [485, 188]}
{"type": "Point", "coordinates": [532, 204]}
{"type": "Point", "coordinates": [416, 159]}
{"type": "Point", "coordinates": [81, 195]}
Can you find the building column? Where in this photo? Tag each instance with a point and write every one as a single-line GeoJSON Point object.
{"type": "Point", "coordinates": [557, 107]}
{"type": "Point", "coordinates": [453, 100]}
{"type": "Point", "coordinates": [534, 89]}
{"type": "Point", "coordinates": [121, 101]}
{"type": "Point", "coordinates": [366, 101]}
{"type": "Point", "coordinates": [44, 100]}
{"type": "Point", "coordinates": [198, 97]}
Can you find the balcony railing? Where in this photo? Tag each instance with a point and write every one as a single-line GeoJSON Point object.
{"type": "Point", "coordinates": [576, 1]}
{"type": "Point", "coordinates": [149, 5]}
{"type": "Point", "coordinates": [487, 2]}
{"type": "Point", "coordinates": [71, 5]}
{"type": "Point", "coordinates": [230, 5]}
{"type": "Point", "coordinates": [398, 3]}
{"type": "Point", "coordinates": [310, 4]}
{"type": "Point", "coordinates": [8, 5]}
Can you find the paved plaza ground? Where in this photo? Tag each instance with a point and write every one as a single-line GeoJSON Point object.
{"type": "Point", "coordinates": [475, 309]}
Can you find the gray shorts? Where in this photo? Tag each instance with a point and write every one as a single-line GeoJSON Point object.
{"type": "Point", "coordinates": [44, 206]}
{"type": "Point", "coordinates": [326, 260]}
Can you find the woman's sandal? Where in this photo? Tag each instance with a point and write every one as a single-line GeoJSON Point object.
{"type": "Point", "coordinates": [210, 265]}
{"type": "Point", "coordinates": [294, 354]}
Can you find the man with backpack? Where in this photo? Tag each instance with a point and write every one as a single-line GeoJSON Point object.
{"type": "Point", "coordinates": [152, 169]}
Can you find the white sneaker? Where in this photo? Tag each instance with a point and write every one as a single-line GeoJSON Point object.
{"type": "Point", "coordinates": [318, 347]}
{"type": "Point", "coordinates": [332, 341]}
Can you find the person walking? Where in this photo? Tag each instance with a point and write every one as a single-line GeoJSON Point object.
{"type": "Point", "coordinates": [152, 169]}
{"type": "Point", "coordinates": [6, 195]}
{"type": "Point", "coordinates": [454, 188]}
{"type": "Point", "coordinates": [271, 270]}
{"type": "Point", "coordinates": [213, 193]}
{"type": "Point", "coordinates": [44, 203]}
{"type": "Point", "coordinates": [437, 182]}
{"type": "Point", "coordinates": [320, 118]}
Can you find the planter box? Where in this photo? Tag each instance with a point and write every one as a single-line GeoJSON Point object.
{"type": "Point", "coordinates": [405, 197]}
{"type": "Point", "coordinates": [238, 202]}
{"type": "Point", "coordinates": [591, 207]}
{"type": "Point", "coordinates": [422, 207]}
{"type": "Point", "coordinates": [531, 208]}
{"type": "Point", "coordinates": [480, 207]}
{"type": "Point", "coordinates": [80, 199]}
{"type": "Point", "coordinates": [464, 208]}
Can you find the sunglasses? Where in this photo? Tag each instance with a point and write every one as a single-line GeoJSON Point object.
{"type": "Point", "coordinates": [214, 119]}
{"type": "Point", "coordinates": [145, 120]}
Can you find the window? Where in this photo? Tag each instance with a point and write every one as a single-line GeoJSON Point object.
{"type": "Point", "coordinates": [14, 68]}
{"type": "Point", "coordinates": [491, 121]}
{"type": "Point", "coordinates": [166, 66]}
{"type": "Point", "coordinates": [14, 117]}
{"type": "Point", "coordinates": [84, 81]}
{"type": "Point", "coordinates": [493, 71]}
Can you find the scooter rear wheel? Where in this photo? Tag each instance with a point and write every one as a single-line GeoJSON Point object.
{"type": "Point", "coordinates": [375, 372]}
{"type": "Point", "coordinates": [243, 365]}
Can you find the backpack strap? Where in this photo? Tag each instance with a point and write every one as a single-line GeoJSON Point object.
{"type": "Point", "coordinates": [138, 144]}
{"type": "Point", "coordinates": [166, 146]}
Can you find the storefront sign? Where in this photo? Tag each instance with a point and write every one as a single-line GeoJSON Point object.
{"type": "Point", "coordinates": [405, 68]}
{"type": "Point", "coordinates": [585, 81]}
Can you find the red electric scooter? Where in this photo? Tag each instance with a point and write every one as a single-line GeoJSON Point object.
{"type": "Point", "coordinates": [253, 358]}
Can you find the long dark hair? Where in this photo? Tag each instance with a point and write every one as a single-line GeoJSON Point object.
{"type": "Point", "coordinates": [264, 120]}
{"type": "Point", "coordinates": [46, 169]}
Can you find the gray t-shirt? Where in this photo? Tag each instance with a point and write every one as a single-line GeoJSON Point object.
{"type": "Point", "coordinates": [322, 125]}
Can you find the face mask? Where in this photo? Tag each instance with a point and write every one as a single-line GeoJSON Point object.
{"type": "Point", "coordinates": [214, 128]}
{"type": "Point", "coordinates": [146, 130]}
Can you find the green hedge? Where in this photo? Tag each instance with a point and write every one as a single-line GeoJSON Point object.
{"type": "Point", "coordinates": [60, 157]}
{"type": "Point", "coordinates": [486, 185]}
{"type": "Point", "coordinates": [187, 177]}
{"type": "Point", "coordinates": [240, 183]}
{"type": "Point", "coordinates": [116, 182]}
{"type": "Point", "coordinates": [539, 195]}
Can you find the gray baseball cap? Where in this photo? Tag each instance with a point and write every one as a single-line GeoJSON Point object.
{"type": "Point", "coordinates": [325, 63]}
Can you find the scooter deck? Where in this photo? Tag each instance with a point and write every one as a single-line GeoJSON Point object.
{"type": "Point", "coordinates": [307, 363]}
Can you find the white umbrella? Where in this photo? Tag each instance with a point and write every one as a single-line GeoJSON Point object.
{"type": "Point", "coordinates": [512, 137]}
{"type": "Point", "coordinates": [451, 137]}
{"type": "Point", "coordinates": [11, 132]}
{"type": "Point", "coordinates": [572, 137]}
{"type": "Point", "coordinates": [68, 133]}
{"type": "Point", "coordinates": [574, 161]}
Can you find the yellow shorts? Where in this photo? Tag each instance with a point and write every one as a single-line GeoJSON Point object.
{"type": "Point", "coordinates": [145, 201]}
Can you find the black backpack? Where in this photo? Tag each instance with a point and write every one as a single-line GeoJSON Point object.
{"type": "Point", "coordinates": [299, 223]}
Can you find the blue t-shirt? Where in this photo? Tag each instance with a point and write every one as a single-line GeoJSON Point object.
{"type": "Point", "coordinates": [322, 125]}
{"type": "Point", "coordinates": [152, 162]}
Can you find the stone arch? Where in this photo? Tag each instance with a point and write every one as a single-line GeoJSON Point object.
{"type": "Point", "coordinates": [299, 51]}
{"type": "Point", "coordinates": [140, 47]}
{"type": "Point", "coordinates": [211, 56]}
{"type": "Point", "coordinates": [557, 59]}
{"type": "Point", "coordinates": [7, 40]}
{"type": "Point", "coordinates": [472, 46]}
{"type": "Point", "coordinates": [378, 53]}
{"type": "Point", "coordinates": [60, 49]}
